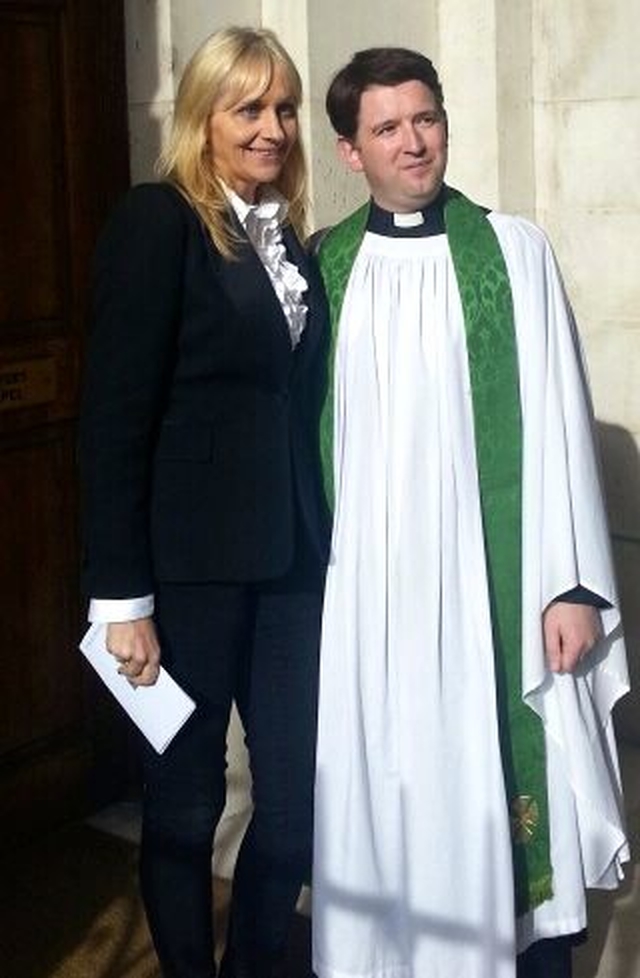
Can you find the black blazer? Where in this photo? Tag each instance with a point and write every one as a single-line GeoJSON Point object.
{"type": "Point", "coordinates": [199, 429]}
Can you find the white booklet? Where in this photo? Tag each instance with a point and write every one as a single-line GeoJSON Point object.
{"type": "Point", "coordinates": [159, 710]}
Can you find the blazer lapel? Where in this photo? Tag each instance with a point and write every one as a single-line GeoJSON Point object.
{"type": "Point", "coordinates": [247, 283]}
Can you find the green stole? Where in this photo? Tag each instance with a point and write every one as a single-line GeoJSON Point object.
{"type": "Point", "coordinates": [487, 305]}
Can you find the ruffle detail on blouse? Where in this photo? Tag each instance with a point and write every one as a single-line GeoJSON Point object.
{"type": "Point", "coordinates": [263, 224]}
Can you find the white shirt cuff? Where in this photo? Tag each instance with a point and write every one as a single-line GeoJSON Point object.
{"type": "Point", "coordinates": [120, 609]}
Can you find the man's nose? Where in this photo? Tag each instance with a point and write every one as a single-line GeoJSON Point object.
{"type": "Point", "coordinates": [412, 140]}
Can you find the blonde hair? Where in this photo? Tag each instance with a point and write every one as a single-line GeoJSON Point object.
{"type": "Point", "coordinates": [231, 65]}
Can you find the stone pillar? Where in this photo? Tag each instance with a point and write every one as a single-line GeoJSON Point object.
{"type": "Point", "coordinates": [466, 61]}
{"type": "Point", "coordinates": [150, 82]}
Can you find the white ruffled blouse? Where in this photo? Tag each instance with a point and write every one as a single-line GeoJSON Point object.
{"type": "Point", "coordinates": [263, 224]}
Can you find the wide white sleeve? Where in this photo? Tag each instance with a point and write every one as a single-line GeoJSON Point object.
{"type": "Point", "coordinates": [566, 543]}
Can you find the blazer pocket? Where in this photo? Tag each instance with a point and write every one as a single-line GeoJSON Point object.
{"type": "Point", "coordinates": [182, 442]}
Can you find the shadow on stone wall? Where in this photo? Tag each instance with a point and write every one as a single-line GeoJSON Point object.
{"type": "Point", "coordinates": [621, 472]}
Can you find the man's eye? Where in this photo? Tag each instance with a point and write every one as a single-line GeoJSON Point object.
{"type": "Point", "coordinates": [385, 130]}
{"type": "Point", "coordinates": [428, 119]}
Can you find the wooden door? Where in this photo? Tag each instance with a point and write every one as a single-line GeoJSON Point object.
{"type": "Point", "coordinates": [63, 160]}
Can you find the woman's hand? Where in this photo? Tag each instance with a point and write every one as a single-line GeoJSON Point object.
{"type": "Point", "coordinates": [135, 645]}
{"type": "Point", "coordinates": [570, 632]}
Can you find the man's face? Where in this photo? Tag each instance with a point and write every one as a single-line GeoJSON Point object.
{"type": "Point", "coordinates": [400, 145]}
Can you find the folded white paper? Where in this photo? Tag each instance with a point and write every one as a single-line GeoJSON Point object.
{"type": "Point", "coordinates": [159, 711]}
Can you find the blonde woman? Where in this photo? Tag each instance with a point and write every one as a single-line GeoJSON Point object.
{"type": "Point", "coordinates": [206, 527]}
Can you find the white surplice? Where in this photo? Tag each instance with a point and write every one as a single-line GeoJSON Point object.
{"type": "Point", "coordinates": [412, 865]}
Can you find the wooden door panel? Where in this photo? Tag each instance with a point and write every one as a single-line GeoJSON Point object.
{"type": "Point", "coordinates": [63, 159]}
{"type": "Point", "coordinates": [32, 234]}
{"type": "Point", "coordinates": [38, 581]}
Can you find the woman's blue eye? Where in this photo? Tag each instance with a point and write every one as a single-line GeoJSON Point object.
{"type": "Point", "coordinates": [252, 111]}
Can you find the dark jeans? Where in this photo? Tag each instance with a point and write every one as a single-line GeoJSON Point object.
{"type": "Point", "coordinates": [257, 644]}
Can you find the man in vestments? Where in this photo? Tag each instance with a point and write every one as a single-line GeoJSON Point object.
{"type": "Point", "coordinates": [467, 787]}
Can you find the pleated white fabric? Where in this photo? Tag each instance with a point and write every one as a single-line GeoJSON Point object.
{"type": "Point", "coordinates": [412, 868]}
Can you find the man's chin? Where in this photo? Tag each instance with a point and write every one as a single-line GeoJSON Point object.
{"type": "Point", "coordinates": [419, 199]}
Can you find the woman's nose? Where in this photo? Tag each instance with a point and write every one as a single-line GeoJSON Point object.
{"type": "Point", "coordinates": [272, 127]}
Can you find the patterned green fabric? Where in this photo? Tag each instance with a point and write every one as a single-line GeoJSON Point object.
{"type": "Point", "coordinates": [485, 294]}
{"type": "Point", "coordinates": [337, 255]}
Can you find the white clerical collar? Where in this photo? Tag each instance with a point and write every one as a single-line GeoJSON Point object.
{"type": "Point", "coordinates": [415, 224]}
{"type": "Point", "coordinates": [413, 220]}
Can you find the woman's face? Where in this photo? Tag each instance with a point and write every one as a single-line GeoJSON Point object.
{"type": "Point", "coordinates": [250, 140]}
